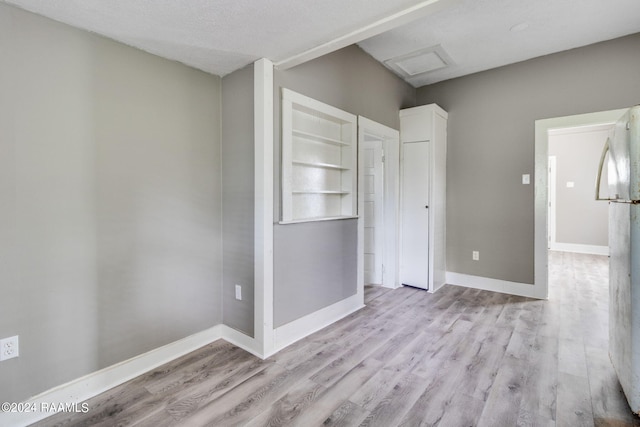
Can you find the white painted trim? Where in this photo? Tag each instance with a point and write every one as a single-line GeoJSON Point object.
{"type": "Point", "coordinates": [551, 213]}
{"type": "Point", "coordinates": [495, 285]}
{"type": "Point", "coordinates": [296, 330]}
{"type": "Point", "coordinates": [360, 244]}
{"type": "Point", "coordinates": [375, 146]}
{"type": "Point", "coordinates": [263, 206]}
{"type": "Point", "coordinates": [375, 128]}
{"type": "Point", "coordinates": [542, 128]}
{"type": "Point", "coordinates": [328, 111]}
{"type": "Point", "coordinates": [437, 286]}
{"type": "Point", "coordinates": [90, 385]}
{"type": "Point", "coordinates": [580, 129]}
{"type": "Point", "coordinates": [286, 173]}
{"type": "Point", "coordinates": [391, 148]}
{"type": "Point", "coordinates": [240, 339]}
{"type": "Point", "coordinates": [420, 10]}
{"type": "Point", "coordinates": [580, 249]}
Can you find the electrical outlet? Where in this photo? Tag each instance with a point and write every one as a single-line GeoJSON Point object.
{"type": "Point", "coordinates": [476, 256]}
{"type": "Point", "coordinates": [9, 348]}
{"type": "Point", "coordinates": [239, 292]}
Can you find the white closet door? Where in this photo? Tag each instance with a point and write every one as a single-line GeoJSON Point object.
{"type": "Point", "coordinates": [414, 261]}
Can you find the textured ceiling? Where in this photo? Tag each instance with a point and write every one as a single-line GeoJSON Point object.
{"type": "Point", "coordinates": [476, 36]}
{"type": "Point", "coordinates": [220, 36]}
{"type": "Point", "coordinates": [217, 36]}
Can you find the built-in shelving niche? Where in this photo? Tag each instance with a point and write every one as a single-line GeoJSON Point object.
{"type": "Point", "coordinates": [319, 160]}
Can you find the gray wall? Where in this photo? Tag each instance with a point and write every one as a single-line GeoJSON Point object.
{"type": "Point", "coordinates": [315, 263]}
{"type": "Point", "coordinates": [322, 277]}
{"type": "Point", "coordinates": [580, 219]}
{"type": "Point", "coordinates": [110, 236]}
{"type": "Point", "coordinates": [491, 144]}
{"type": "Point", "coordinates": [238, 198]}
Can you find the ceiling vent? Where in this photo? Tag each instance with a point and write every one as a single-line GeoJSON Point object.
{"type": "Point", "coordinates": [419, 62]}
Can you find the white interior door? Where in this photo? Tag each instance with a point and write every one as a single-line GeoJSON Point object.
{"type": "Point", "coordinates": [414, 258]}
{"type": "Point", "coordinates": [373, 181]}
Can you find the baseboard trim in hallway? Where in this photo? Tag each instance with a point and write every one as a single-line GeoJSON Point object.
{"type": "Point", "coordinates": [495, 285]}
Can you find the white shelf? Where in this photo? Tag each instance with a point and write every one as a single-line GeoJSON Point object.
{"type": "Point", "coordinates": [318, 151]}
{"type": "Point", "coordinates": [319, 165]}
{"type": "Point", "coordinates": [323, 218]}
{"type": "Point", "coordinates": [320, 192]}
{"type": "Point", "coordinates": [318, 138]}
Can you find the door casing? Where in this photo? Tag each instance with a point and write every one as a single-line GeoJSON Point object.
{"type": "Point", "coordinates": [391, 196]}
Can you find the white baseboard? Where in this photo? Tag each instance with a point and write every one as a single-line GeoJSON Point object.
{"type": "Point", "coordinates": [437, 286]}
{"type": "Point", "coordinates": [241, 340]}
{"type": "Point", "coordinates": [581, 249]}
{"type": "Point", "coordinates": [293, 331]}
{"type": "Point", "coordinates": [91, 385]}
{"type": "Point", "coordinates": [495, 285]}
{"type": "Point", "coordinates": [77, 391]}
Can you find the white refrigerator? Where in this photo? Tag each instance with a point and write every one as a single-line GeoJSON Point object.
{"type": "Point", "coordinates": [623, 165]}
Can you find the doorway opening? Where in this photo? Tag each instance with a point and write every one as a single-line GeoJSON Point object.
{"type": "Point", "coordinates": [543, 129]}
{"type": "Point", "coordinates": [577, 222]}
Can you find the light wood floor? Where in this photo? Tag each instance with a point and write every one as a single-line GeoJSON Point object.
{"type": "Point", "coordinates": [460, 357]}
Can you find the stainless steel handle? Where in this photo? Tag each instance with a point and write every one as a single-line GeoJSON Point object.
{"type": "Point", "coordinates": [599, 176]}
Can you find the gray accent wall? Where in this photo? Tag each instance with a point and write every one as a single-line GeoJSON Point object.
{"type": "Point", "coordinates": [315, 263]}
{"type": "Point", "coordinates": [491, 144]}
{"type": "Point", "coordinates": [580, 219]}
{"type": "Point", "coordinates": [110, 196]}
{"type": "Point", "coordinates": [238, 198]}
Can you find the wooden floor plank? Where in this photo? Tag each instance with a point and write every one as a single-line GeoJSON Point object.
{"type": "Point", "coordinates": [231, 406]}
{"type": "Point", "coordinates": [336, 395]}
{"type": "Point", "coordinates": [391, 408]}
{"type": "Point", "coordinates": [288, 407]}
{"type": "Point", "coordinates": [574, 402]}
{"type": "Point", "coordinates": [502, 407]}
{"type": "Point", "coordinates": [455, 416]}
{"type": "Point", "coordinates": [483, 368]}
{"type": "Point", "coordinates": [347, 414]}
{"type": "Point", "coordinates": [538, 406]}
{"type": "Point", "coordinates": [571, 357]}
{"type": "Point", "coordinates": [372, 292]}
{"type": "Point", "coordinates": [189, 400]}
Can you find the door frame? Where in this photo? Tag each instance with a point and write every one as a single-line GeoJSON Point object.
{"type": "Point", "coordinates": [376, 145]}
{"type": "Point", "coordinates": [391, 197]}
{"type": "Point", "coordinates": [541, 202]}
{"type": "Point", "coordinates": [551, 211]}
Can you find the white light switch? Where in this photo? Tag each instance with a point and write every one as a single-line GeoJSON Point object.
{"type": "Point", "coordinates": [526, 179]}
{"type": "Point", "coordinates": [570, 184]}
